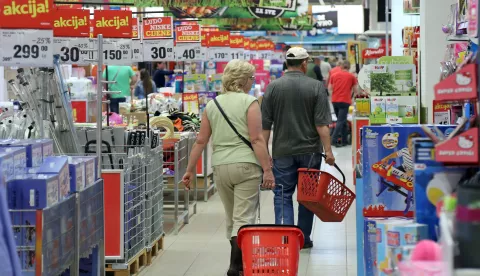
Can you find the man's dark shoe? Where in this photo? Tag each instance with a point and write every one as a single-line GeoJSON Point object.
{"type": "Point", "coordinates": [308, 244]}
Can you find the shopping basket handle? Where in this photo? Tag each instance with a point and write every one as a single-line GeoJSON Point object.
{"type": "Point", "coordinates": [335, 165]}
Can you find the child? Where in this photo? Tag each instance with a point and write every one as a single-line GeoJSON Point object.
{"type": "Point", "coordinates": [406, 153]}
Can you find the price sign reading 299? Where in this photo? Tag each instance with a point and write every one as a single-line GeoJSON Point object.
{"type": "Point", "coordinates": [26, 47]}
{"type": "Point", "coordinates": [117, 51]}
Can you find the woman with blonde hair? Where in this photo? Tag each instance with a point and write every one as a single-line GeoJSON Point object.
{"type": "Point", "coordinates": [233, 120]}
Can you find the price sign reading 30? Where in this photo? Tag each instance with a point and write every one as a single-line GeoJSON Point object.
{"type": "Point", "coordinates": [117, 51]}
{"type": "Point", "coordinates": [26, 47]}
{"type": "Point", "coordinates": [159, 49]}
{"type": "Point", "coordinates": [73, 50]}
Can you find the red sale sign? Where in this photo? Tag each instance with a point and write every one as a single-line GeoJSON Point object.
{"type": "Point", "coordinates": [188, 34]}
{"type": "Point", "coordinates": [71, 23]}
{"type": "Point", "coordinates": [157, 28]}
{"type": "Point", "coordinates": [113, 23]}
{"type": "Point", "coordinates": [26, 14]}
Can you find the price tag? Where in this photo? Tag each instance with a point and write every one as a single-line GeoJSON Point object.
{"type": "Point", "coordinates": [26, 47]}
{"type": "Point", "coordinates": [253, 55]}
{"type": "Point", "coordinates": [73, 50]}
{"type": "Point", "coordinates": [137, 51]}
{"type": "Point", "coordinates": [158, 50]}
{"type": "Point", "coordinates": [246, 55]}
{"type": "Point", "coordinates": [264, 55]}
{"type": "Point", "coordinates": [189, 52]}
{"type": "Point", "coordinates": [219, 53]}
{"type": "Point", "coordinates": [237, 54]}
{"type": "Point", "coordinates": [117, 51]}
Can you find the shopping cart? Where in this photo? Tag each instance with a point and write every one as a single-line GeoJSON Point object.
{"type": "Point", "coordinates": [270, 249]}
{"type": "Point", "coordinates": [323, 194]}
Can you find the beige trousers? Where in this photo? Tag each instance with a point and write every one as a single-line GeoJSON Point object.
{"type": "Point", "coordinates": [238, 185]}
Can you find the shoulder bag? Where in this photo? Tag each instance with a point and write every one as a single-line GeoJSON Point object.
{"type": "Point", "coordinates": [232, 126]}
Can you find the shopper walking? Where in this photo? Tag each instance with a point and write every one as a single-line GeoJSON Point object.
{"type": "Point", "coordinates": [124, 78]}
{"type": "Point", "coordinates": [298, 107]}
{"type": "Point", "coordinates": [160, 74]}
{"type": "Point", "coordinates": [342, 87]}
{"type": "Point", "coordinates": [239, 152]}
{"type": "Point", "coordinates": [337, 68]}
{"type": "Point", "coordinates": [314, 71]}
{"type": "Point", "coordinates": [325, 67]}
{"type": "Point", "coordinates": [145, 86]}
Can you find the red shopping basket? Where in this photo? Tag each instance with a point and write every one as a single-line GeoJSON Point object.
{"type": "Point", "coordinates": [323, 194]}
{"type": "Point", "coordinates": [270, 249]}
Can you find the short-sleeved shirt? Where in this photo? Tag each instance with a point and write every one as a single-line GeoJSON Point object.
{"type": "Point", "coordinates": [296, 104]}
{"type": "Point", "coordinates": [407, 164]}
{"type": "Point", "coordinates": [228, 148]}
{"type": "Point", "coordinates": [342, 83]}
{"type": "Point", "coordinates": [121, 74]}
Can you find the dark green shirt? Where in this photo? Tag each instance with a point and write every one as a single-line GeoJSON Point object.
{"type": "Point", "coordinates": [296, 104]}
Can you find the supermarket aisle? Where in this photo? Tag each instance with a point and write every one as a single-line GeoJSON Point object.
{"type": "Point", "coordinates": [202, 250]}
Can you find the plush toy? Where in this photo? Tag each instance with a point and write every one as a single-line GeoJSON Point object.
{"type": "Point", "coordinates": [442, 184]}
{"type": "Point", "coordinates": [425, 251]}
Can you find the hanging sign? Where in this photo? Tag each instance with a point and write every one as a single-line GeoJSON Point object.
{"type": "Point", "coordinates": [204, 38]}
{"type": "Point", "coordinates": [236, 45]}
{"type": "Point", "coordinates": [158, 50]}
{"type": "Point", "coordinates": [26, 47]}
{"type": "Point", "coordinates": [160, 27]}
{"type": "Point", "coordinates": [253, 49]}
{"type": "Point", "coordinates": [187, 34]}
{"type": "Point", "coordinates": [326, 20]}
{"type": "Point", "coordinates": [135, 29]}
{"type": "Point", "coordinates": [137, 51]}
{"type": "Point", "coordinates": [373, 53]}
{"type": "Point", "coordinates": [246, 47]}
{"type": "Point", "coordinates": [264, 49]}
{"type": "Point", "coordinates": [188, 43]}
{"type": "Point", "coordinates": [219, 46]}
{"type": "Point", "coordinates": [117, 51]}
{"type": "Point", "coordinates": [71, 23]}
{"type": "Point", "coordinates": [74, 50]}
{"type": "Point", "coordinates": [26, 14]}
{"type": "Point", "coordinates": [113, 23]}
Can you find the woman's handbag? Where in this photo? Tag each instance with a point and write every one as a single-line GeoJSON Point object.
{"type": "Point", "coordinates": [232, 126]}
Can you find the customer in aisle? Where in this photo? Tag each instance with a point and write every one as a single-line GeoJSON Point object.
{"type": "Point", "coordinates": [239, 152]}
{"type": "Point", "coordinates": [342, 86]}
{"type": "Point", "coordinates": [161, 73]}
{"type": "Point", "coordinates": [145, 86]}
{"type": "Point", "coordinates": [298, 106]}
{"type": "Point", "coordinates": [125, 79]}
{"type": "Point", "coordinates": [313, 70]}
{"type": "Point", "coordinates": [325, 67]}
{"type": "Point", "coordinates": [336, 69]}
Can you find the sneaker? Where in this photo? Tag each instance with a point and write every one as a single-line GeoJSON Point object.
{"type": "Point", "coordinates": [308, 244]}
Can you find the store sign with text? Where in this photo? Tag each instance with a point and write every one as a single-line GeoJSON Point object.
{"type": "Point", "coordinates": [135, 29]}
{"type": "Point", "coordinates": [158, 50]}
{"type": "Point", "coordinates": [73, 50]}
{"type": "Point", "coordinates": [157, 28]}
{"type": "Point", "coordinates": [187, 34]}
{"type": "Point", "coordinates": [113, 23]}
{"type": "Point", "coordinates": [71, 23]}
{"type": "Point", "coordinates": [265, 49]}
{"type": "Point", "coordinates": [373, 53]}
{"type": "Point", "coordinates": [219, 46]}
{"type": "Point", "coordinates": [326, 20]}
{"type": "Point", "coordinates": [26, 14]}
{"type": "Point", "coordinates": [236, 45]}
{"type": "Point", "coordinates": [26, 48]}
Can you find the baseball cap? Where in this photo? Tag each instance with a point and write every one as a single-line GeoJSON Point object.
{"type": "Point", "coordinates": [297, 53]}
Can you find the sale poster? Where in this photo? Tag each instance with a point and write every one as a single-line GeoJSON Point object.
{"type": "Point", "coordinates": [190, 103]}
{"type": "Point", "coordinates": [195, 83]}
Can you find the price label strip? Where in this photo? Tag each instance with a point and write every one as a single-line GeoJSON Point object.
{"type": "Point", "coordinates": [219, 53]}
{"type": "Point", "coordinates": [190, 52]}
{"type": "Point", "coordinates": [264, 54]}
{"type": "Point", "coordinates": [117, 51]}
{"type": "Point", "coordinates": [73, 50]}
{"type": "Point", "coordinates": [237, 54]}
{"type": "Point", "coordinates": [137, 51]}
{"type": "Point", "coordinates": [158, 50]}
{"type": "Point", "coordinates": [26, 48]}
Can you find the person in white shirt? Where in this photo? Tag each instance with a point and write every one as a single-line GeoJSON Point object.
{"type": "Point", "coordinates": [325, 67]}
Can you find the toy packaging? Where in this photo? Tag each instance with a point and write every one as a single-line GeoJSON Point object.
{"type": "Point", "coordinates": [384, 261]}
{"type": "Point", "coordinates": [76, 168]}
{"type": "Point", "coordinates": [91, 174]}
{"type": "Point", "coordinates": [401, 240]}
{"type": "Point", "coordinates": [33, 151]}
{"type": "Point", "coordinates": [388, 168]}
{"type": "Point", "coordinates": [432, 181]}
{"type": "Point", "coordinates": [6, 165]}
{"type": "Point", "coordinates": [19, 158]}
{"type": "Point", "coordinates": [58, 165]}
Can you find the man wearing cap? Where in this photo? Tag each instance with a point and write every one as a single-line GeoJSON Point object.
{"type": "Point", "coordinates": [299, 108]}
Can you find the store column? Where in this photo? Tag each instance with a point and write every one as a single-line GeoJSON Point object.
{"type": "Point", "coordinates": [433, 15]}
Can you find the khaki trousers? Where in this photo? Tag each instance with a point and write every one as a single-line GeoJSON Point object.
{"type": "Point", "coordinates": [238, 187]}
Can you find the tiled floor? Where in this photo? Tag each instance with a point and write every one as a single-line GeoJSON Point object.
{"type": "Point", "coordinates": [201, 249]}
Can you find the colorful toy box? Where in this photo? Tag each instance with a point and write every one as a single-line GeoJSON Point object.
{"type": "Point", "coordinates": [402, 238]}
{"type": "Point", "coordinates": [47, 147]}
{"type": "Point", "coordinates": [19, 158]}
{"type": "Point", "coordinates": [438, 179]}
{"type": "Point", "coordinates": [91, 172]}
{"type": "Point", "coordinates": [33, 150]}
{"type": "Point", "coordinates": [388, 168]}
{"type": "Point", "coordinates": [6, 166]}
{"type": "Point", "coordinates": [58, 165]}
{"type": "Point", "coordinates": [76, 167]}
{"type": "Point", "coordinates": [383, 261]}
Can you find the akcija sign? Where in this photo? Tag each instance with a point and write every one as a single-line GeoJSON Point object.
{"type": "Point", "coordinates": [135, 29]}
{"type": "Point", "coordinates": [113, 23]}
{"type": "Point", "coordinates": [326, 20]}
{"type": "Point", "coordinates": [71, 23]}
{"type": "Point", "coordinates": [236, 41]}
{"type": "Point", "coordinates": [187, 34]}
{"type": "Point", "coordinates": [26, 14]}
{"type": "Point", "coordinates": [219, 39]}
{"type": "Point", "coordinates": [157, 28]}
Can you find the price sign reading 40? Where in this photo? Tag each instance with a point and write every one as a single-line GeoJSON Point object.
{"type": "Point", "coordinates": [189, 52]}
{"type": "Point", "coordinates": [26, 47]}
{"type": "Point", "coordinates": [117, 51]}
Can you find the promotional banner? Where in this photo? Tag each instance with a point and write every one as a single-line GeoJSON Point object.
{"type": "Point", "coordinates": [326, 22]}
{"type": "Point", "coordinates": [219, 46]}
{"type": "Point", "coordinates": [26, 14]}
{"type": "Point", "coordinates": [187, 34]}
{"type": "Point", "coordinates": [237, 47]}
{"type": "Point", "coordinates": [135, 29]}
{"type": "Point", "coordinates": [273, 24]}
{"type": "Point", "coordinates": [155, 28]}
{"type": "Point", "coordinates": [279, 4]}
{"type": "Point", "coordinates": [188, 43]}
{"type": "Point", "coordinates": [113, 23]}
{"type": "Point", "coordinates": [71, 23]}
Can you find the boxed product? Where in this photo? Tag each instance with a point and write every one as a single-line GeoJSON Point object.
{"type": "Point", "coordinates": [47, 147]}
{"type": "Point", "coordinates": [19, 158]}
{"type": "Point", "coordinates": [58, 165]}
{"type": "Point", "coordinates": [432, 181]}
{"type": "Point", "coordinates": [371, 238]}
{"type": "Point", "coordinates": [7, 168]}
{"type": "Point", "coordinates": [402, 238]}
{"type": "Point", "coordinates": [378, 110]}
{"type": "Point", "coordinates": [91, 172]}
{"type": "Point", "coordinates": [31, 192]}
{"type": "Point", "coordinates": [388, 168]}
{"type": "Point", "coordinates": [34, 151]}
{"type": "Point", "coordinates": [384, 258]}
{"type": "Point", "coordinates": [76, 167]}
